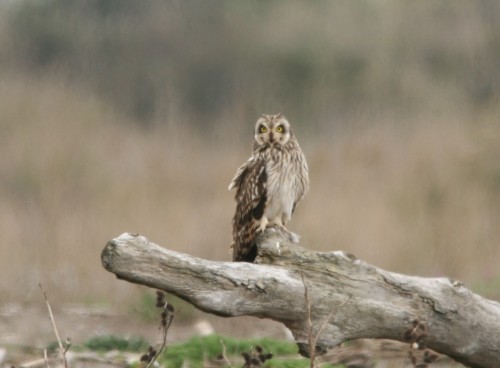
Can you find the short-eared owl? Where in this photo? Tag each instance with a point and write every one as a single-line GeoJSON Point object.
{"type": "Point", "coordinates": [269, 185]}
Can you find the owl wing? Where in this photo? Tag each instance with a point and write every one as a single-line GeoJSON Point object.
{"type": "Point", "coordinates": [250, 182]}
{"type": "Point", "coordinates": [302, 180]}
{"type": "Point", "coordinates": [240, 173]}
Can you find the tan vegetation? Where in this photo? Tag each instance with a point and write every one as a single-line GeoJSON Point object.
{"type": "Point", "coordinates": [404, 151]}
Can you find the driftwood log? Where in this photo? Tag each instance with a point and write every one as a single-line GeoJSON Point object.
{"type": "Point", "coordinates": [346, 298]}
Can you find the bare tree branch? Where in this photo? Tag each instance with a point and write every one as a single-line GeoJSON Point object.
{"type": "Point", "coordinates": [365, 301]}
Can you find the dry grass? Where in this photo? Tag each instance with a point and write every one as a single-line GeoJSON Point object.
{"type": "Point", "coordinates": [419, 196]}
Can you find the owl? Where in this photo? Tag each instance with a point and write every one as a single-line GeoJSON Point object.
{"type": "Point", "coordinates": [268, 185]}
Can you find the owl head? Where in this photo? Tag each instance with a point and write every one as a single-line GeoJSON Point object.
{"type": "Point", "coordinates": [272, 129]}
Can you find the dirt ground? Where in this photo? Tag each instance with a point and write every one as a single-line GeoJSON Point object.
{"type": "Point", "coordinates": [26, 330]}
{"type": "Point", "coordinates": [30, 325]}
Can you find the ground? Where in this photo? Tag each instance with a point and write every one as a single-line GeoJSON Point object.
{"type": "Point", "coordinates": [26, 330]}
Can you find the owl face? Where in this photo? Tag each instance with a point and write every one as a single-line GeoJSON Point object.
{"type": "Point", "coordinates": [272, 129]}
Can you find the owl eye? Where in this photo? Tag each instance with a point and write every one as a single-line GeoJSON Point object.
{"type": "Point", "coordinates": [263, 129]}
{"type": "Point", "coordinates": [279, 129]}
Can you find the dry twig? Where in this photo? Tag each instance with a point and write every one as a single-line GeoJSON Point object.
{"type": "Point", "coordinates": [224, 354]}
{"type": "Point", "coordinates": [312, 339]}
{"type": "Point", "coordinates": [62, 350]}
{"type": "Point", "coordinates": [45, 358]}
{"type": "Point", "coordinates": [416, 335]}
{"type": "Point", "coordinates": [167, 315]}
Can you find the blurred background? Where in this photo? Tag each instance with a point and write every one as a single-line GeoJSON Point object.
{"type": "Point", "coordinates": [127, 116]}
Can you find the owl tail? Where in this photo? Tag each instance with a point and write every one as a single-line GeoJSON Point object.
{"type": "Point", "coordinates": [248, 254]}
{"type": "Point", "coordinates": [244, 247]}
{"type": "Point", "coordinates": [245, 231]}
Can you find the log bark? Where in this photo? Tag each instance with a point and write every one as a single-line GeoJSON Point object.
{"type": "Point", "coordinates": [348, 298]}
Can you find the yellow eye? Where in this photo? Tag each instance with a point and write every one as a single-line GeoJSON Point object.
{"type": "Point", "coordinates": [263, 129]}
{"type": "Point", "coordinates": [279, 129]}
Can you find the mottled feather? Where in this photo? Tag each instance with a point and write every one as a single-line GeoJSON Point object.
{"type": "Point", "coordinates": [250, 183]}
{"type": "Point", "coordinates": [268, 185]}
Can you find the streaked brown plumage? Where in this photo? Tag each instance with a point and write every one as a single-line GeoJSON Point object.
{"type": "Point", "coordinates": [268, 185]}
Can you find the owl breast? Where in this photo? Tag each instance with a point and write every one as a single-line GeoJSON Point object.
{"type": "Point", "coordinates": [286, 185]}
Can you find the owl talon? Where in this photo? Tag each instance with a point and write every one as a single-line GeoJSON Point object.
{"type": "Point", "coordinates": [273, 227]}
{"type": "Point", "coordinates": [263, 223]}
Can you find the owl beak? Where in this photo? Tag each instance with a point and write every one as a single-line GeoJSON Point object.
{"type": "Point", "coordinates": [271, 138]}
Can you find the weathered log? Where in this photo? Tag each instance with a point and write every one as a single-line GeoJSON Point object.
{"type": "Point", "coordinates": [348, 298]}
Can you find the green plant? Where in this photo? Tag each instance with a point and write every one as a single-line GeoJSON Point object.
{"type": "Point", "coordinates": [112, 342]}
{"type": "Point", "coordinates": [198, 349]}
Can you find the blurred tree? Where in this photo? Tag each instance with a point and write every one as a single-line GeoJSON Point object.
{"type": "Point", "coordinates": [205, 58]}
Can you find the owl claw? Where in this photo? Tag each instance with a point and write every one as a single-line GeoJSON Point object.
{"type": "Point", "coordinates": [263, 223]}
